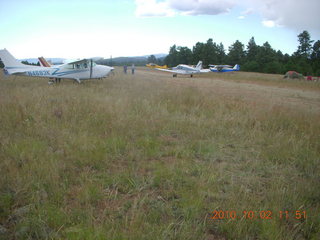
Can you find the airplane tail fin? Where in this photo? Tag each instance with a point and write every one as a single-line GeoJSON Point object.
{"type": "Point", "coordinates": [236, 67]}
{"type": "Point", "coordinates": [8, 60]}
{"type": "Point", "coordinates": [199, 65]}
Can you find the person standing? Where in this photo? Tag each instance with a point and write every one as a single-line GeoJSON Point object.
{"type": "Point", "coordinates": [125, 69]}
{"type": "Point", "coordinates": [132, 68]}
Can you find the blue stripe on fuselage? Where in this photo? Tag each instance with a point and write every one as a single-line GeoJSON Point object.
{"type": "Point", "coordinates": [68, 72]}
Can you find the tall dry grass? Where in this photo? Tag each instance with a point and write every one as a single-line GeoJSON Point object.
{"type": "Point", "coordinates": [133, 157]}
{"type": "Point", "coordinates": [266, 79]}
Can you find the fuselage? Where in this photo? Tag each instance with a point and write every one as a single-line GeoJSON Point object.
{"type": "Point", "coordinates": [224, 68]}
{"type": "Point", "coordinates": [185, 69]}
{"type": "Point", "coordinates": [77, 70]}
{"type": "Point", "coordinates": [72, 71]}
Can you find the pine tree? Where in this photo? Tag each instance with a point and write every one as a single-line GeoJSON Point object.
{"type": "Point", "coordinates": [305, 47]}
{"type": "Point", "coordinates": [198, 52]}
{"type": "Point", "coordinates": [171, 59]}
{"type": "Point", "coordinates": [252, 50]}
{"type": "Point", "coordinates": [236, 53]}
{"type": "Point", "coordinates": [184, 55]}
{"type": "Point", "coordinates": [221, 54]}
{"type": "Point", "coordinates": [152, 59]}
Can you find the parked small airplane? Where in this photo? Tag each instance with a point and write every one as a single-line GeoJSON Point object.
{"type": "Point", "coordinates": [186, 69]}
{"type": "Point", "coordinates": [224, 68]}
{"type": "Point", "coordinates": [76, 70]}
{"type": "Point", "coordinates": [153, 65]}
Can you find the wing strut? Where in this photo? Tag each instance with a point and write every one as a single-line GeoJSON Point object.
{"type": "Point", "coordinates": [91, 66]}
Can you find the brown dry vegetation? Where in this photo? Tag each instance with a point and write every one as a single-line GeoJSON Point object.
{"type": "Point", "coordinates": [255, 88]}
{"type": "Point", "coordinates": [151, 157]}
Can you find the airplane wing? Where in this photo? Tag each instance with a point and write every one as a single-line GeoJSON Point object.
{"type": "Point", "coordinates": [177, 71]}
{"type": "Point", "coordinates": [84, 60]}
{"type": "Point", "coordinates": [162, 67]}
{"type": "Point", "coordinates": [78, 61]}
{"type": "Point", "coordinates": [166, 70]}
{"type": "Point", "coordinates": [205, 70]}
{"type": "Point", "coordinates": [151, 65]}
{"type": "Point", "coordinates": [220, 66]}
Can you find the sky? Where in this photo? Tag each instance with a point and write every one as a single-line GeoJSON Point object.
{"type": "Point", "coordinates": [104, 28]}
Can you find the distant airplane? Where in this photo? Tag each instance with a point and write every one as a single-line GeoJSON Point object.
{"type": "Point", "coordinates": [153, 65]}
{"type": "Point", "coordinates": [186, 69]}
{"type": "Point", "coordinates": [224, 68]}
{"type": "Point", "coordinates": [76, 70]}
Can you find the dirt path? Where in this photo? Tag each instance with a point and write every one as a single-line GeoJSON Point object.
{"type": "Point", "coordinates": [271, 96]}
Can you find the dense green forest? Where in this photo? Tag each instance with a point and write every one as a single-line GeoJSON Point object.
{"type": "Point", "coordinates": [252, 57]}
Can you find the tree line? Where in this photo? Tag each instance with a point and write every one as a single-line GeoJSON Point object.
{"type": "Point", "coordinates": [252, 57]}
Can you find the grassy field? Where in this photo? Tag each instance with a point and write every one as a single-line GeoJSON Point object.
{"type": "Point", "coordinates": [267, 80]}
{"type": "Point", "coordinates": [152, 157]}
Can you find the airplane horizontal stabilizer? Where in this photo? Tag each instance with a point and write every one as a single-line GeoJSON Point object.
{"type": "Point", "coordinates": [15, 71]}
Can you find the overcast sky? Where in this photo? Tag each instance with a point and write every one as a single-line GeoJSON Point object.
{"type": "Point", "coordinates": [88, 28]}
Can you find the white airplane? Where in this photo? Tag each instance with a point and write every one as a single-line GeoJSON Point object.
{"type": "Point", "coordinates": [76, 70]}
{"type": "Point", "coordinates": [186, 69]}
{"type": "Point", "coordinates": [224, 68]}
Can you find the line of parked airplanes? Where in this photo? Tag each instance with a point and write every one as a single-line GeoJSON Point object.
{"type": "Point", "coordinates": [87, 69]}
{"type": "Point", "coordinates": [190, 70]}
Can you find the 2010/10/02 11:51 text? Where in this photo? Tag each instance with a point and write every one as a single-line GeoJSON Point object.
{"type": "Point", "coordinates": [267, 215]}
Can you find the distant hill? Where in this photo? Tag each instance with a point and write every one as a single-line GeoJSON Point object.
{"type": "Point", "coordinates": [124, 61]}
{"type": "Point", "coordinates": [159, 55]}
{"type": "Point", "coordinates": [138, 60]}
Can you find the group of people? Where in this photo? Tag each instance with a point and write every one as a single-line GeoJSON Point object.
{"type": "Point", "coordinates": [125, 68]}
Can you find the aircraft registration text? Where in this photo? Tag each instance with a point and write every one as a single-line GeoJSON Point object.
{"type": "Point", "coordinates": [38, 73]}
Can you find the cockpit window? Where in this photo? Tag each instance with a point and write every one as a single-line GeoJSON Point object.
{"type": "Point", "coordinates": [83, 65]}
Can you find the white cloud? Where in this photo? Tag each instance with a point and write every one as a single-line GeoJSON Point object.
{"type": "Point", "coordinates": [153, 8]}
{"type": "Point", "coordinates": [245, 13]}
{"type": "Point", "coordinates": [156, 8]}
{"type": "Point", "coordinates": [268, 23]}
{"type": "Point", "coordinates": [201, 7]}
{"type": "Point", "coordinates": [295, 14]}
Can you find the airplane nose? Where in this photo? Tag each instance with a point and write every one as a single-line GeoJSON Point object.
{"type": "Point", "coordinates": [103, 71]}
{"type": "Point", "coordinates": [108, 70]}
